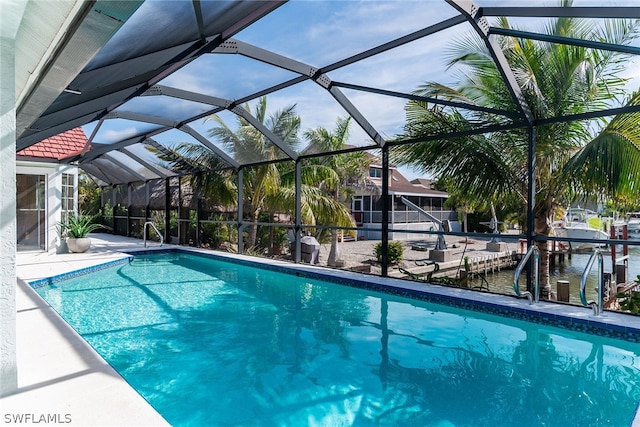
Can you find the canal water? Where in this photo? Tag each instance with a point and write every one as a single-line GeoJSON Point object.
{"type": "Point", "coordinates": [571, 270]}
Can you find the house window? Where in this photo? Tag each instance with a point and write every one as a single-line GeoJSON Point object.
{"type": "Point", "coordinates": [68, 191]}
{"type": "Point", "coordinates": [375, 173]}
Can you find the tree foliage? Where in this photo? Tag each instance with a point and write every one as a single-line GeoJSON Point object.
{"type": "Point", "coordinates": [268, 184]}
{"type": "Point", "coordinates": [574, 158]}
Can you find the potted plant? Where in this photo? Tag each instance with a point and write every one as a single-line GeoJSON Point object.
{"type": "Point", "coordinates": [75, 230]}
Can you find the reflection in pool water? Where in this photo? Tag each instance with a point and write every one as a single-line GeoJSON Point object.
{"type": "Point", "coordinates": [208, 342]}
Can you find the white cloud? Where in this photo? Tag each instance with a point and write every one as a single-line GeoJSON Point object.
{"type": "Point", "coordinates": [112, 135]}
{"type": "Point", "coordinates": [632, 72]}
{"type": "Point", "coordinates": [327, 32]}
{"type": "Point", "coordinates": [192, 81]}
{"type": "Point", "coordinates": [320, 33]}
{"type": "Point", "coordinates": [364, 25]}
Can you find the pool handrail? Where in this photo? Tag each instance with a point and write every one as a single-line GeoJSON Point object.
{"type": "Point", "coordinates": [144, 233]}
{"type": "Point", "coordinates": [536, 271]}
{"type": "Point", "coordinates": [596, 305]}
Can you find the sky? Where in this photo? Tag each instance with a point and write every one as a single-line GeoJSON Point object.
{"type": "Point", "coordinates": [319, 33]}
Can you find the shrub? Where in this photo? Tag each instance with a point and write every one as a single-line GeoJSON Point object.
{"type": "Point", "coordinates": [631, 300]}
{"type": "Point", "coordinates": [216, 232]}
{"type": "Point", "coordinates": [394, 253]}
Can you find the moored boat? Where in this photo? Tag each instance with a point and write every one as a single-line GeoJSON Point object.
{"type": "Point", "coordinates": [633, 222]}
{"type": "Point", "coordinates": [581, 223]}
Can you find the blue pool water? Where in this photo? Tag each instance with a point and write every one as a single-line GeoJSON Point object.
{"type": "Point", "coordinates": [209, 343]}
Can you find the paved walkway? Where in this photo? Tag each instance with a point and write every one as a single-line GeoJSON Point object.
{"type": "Point", "coordinates": [61, 379]}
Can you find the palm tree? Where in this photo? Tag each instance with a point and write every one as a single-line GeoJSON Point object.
{"type": "Point", "coordinates": [351, 168]}
{"type": "Point", "coordinates": [247, 144]}
{"type": "Point", "coordinates": [574, 159]}
{"type": "Point", "coordinates": [266, 187]}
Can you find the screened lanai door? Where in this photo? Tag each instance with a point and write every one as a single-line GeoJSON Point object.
{"type": "Point", "coordinates": [31, 212]}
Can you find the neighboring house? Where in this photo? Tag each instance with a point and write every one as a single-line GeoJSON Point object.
{"type": "Point", "coordinates": [47, 191]}
{"type": "Point", "coordinates": [366, 206]}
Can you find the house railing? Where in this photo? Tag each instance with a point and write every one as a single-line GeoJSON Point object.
{"type": "Point", "coordinates": [408, 216]}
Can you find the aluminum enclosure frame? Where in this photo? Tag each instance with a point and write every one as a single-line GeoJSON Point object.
{"type": "Point", "coordinates": [86, 99]}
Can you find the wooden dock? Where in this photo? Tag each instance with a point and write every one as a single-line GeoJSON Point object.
{"type": "Point", "coordinates": [612, 303]}
{"type": "Point", "coordinates": [491, 262]}
{"type": "Point", "coordinates": [559, 252]}
{"type": "Point", "coordinates": [477, 262]}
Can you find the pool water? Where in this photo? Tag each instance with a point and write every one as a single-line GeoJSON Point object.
{"type": "Point", "coordinates": [213, 343]}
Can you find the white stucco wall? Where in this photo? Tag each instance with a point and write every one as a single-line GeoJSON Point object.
{"type": "Point", "coordinates": [10, 18]}
{"type": "Point", "coordinates": [12, 65]}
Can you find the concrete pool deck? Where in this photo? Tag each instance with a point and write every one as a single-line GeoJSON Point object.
{"type": "Point", "coordinates": [60, 375]}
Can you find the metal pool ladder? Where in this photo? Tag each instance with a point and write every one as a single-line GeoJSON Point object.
{"type": "Point", "coordinates": [156, 230]}
{"type": "Point", "coordinates": [536, 271]}
{"type": "Point", "coordinates": [596, 305]}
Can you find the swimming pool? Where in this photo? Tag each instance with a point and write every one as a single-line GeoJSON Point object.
{"type": "Point", "coordinates": [209, 342]}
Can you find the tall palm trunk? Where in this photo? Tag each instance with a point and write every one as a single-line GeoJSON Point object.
{"type": "Point", "coordinates": [252, 236]}
{"type": "Point", "coordinates": [334, 253]}
{"type": "Point", "coordinates": [543, 227]}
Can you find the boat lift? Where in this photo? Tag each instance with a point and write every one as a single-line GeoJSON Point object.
{"type": "Point", "coordinates": [441, 244]}
{"type": "Point", "coordinates": [493, 225]}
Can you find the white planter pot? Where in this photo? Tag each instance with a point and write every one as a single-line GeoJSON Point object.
{"type": "Point", "coordinates": [79, 245]}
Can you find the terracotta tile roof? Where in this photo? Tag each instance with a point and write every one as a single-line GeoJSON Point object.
{"type": "Point", "coordinates": [399, 184]}
{"type": "Point", "coordinates": [428, 185]}
{"type": "Point", "coordinates": [57, 147]}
